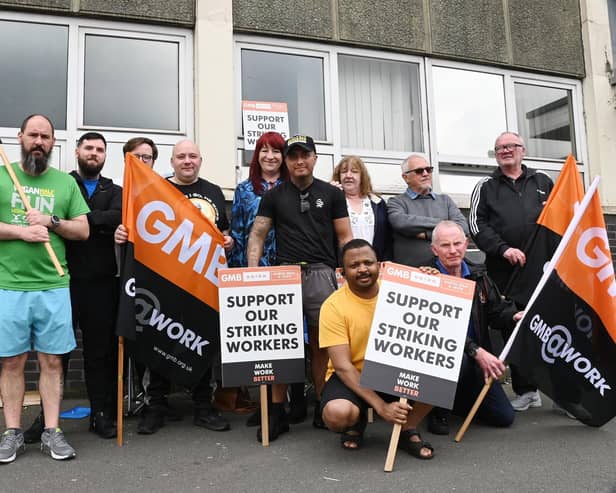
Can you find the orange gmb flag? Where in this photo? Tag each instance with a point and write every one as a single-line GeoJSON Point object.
{"type": "Point", "coordinates": [567, 193]}
{"type": "Point", "coordinates": [586, 266]}
{"type": "Point", "coordinates": [169, 234]}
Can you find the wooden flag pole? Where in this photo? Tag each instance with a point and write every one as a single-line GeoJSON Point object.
{"type": "Point", "coordinates": [393, 443]}
{"type": "Point", "coordinates": [473, 411]}
{"type": "Point", "coordinates": [264, 416]}
{"type": "Point", "coordinates": [26, 203]}
{"type": "Point", "coordinates": [120, 403]}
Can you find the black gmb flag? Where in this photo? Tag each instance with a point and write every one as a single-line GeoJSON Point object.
{"type": "Point", "coordinates": [169, 286]}
{"type": "Point", "coordinates": [566, 342]}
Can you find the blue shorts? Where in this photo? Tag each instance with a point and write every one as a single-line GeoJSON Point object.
{"type": "Point", "coordinates": [39, 320]}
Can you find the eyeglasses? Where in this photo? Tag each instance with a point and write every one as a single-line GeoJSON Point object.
{"type": "Point", "coordinates": [419, 171]}
{"type": "Point", "coordinates": [506, 147]}
{"type": "Point", "coordinates": [304, 205]}
{"type": "Point", "coordinates": [146, 158]}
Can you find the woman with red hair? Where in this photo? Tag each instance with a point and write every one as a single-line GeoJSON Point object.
{"type": "Point", "coordinates": [266, 171]}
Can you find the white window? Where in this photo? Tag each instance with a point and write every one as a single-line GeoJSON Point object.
{"type": "Point", "coordinates": [131, 83]}
{"type": "Point", "coordinates": [34, 73]}
{"type": "Point", "coordinates": [379, 104]}
{"type": "Point", "coordinates": [382, 106]}
{"type": "Point", "coordinates": [120, 79]}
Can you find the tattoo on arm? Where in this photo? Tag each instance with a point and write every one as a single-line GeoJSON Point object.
{"type": "Point", "coordinates": [256, 240]}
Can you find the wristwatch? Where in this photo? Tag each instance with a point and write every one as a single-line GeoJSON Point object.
{"type": "Point", "coordinates": [55, 222]}
{"type": "Point", "coordinates": [471, 349]}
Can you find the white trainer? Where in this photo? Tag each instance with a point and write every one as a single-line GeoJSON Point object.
{"type": "Point", "coordinates": [526, 400]}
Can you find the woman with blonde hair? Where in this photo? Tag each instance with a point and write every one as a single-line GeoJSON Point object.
{"type": "Point", "coordinates": [367, 211]}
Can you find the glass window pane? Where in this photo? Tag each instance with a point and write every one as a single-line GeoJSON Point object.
{"type": "Point", "coordinates": [469, 111]}
{"type": "Point", "coordinates": [545, 120]}
{"type": "Point", "coordinates": [292, 79]}
{"type": "Point", "coordinates": [131, 83]}
{"type": "Point", "coordinates": [34, 64]}
{"type": "Point", "coordinates": [379, 104]}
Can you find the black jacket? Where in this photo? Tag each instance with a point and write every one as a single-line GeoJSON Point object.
{"type": "Point", "coordinates": [503, 214]}
{"type": "Point", "coordinates": [95, 257]}
{"type": "Point", "coordinates": [382, 241]}
{"type": "Point", "coordinates": [489, 309]}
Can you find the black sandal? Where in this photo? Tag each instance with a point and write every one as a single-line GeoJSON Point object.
{"type": "Point", "coordinates": [354, 434]}
{"type": "Point", "coordinates": [414, 448]}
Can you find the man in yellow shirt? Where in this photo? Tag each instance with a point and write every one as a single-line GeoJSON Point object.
{"type": "Point", "coordinates": [344, 327]}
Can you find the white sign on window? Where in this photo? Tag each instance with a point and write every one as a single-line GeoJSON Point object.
{"type": "Point", "coordinates": [260, 117]}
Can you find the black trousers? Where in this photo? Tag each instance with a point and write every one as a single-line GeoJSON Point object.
{"type": "Point", "coordinates": [157, 387]}
{"type": "Point", "coordinates": [95, 303]}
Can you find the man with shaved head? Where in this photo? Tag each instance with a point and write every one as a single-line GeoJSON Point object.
{"type": "Point", "coordinates": [186, 161]}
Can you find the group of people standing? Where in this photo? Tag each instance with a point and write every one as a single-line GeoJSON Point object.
{"type": "Point", "coordinates": [282, 214]}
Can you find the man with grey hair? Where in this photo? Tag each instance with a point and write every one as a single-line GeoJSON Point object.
{"type": "Point", "coordinates": [504, 211]}
{"type": "Point", "coordinates": [414, 214]}
{"type": "Point", "coordinates": [489, 309]}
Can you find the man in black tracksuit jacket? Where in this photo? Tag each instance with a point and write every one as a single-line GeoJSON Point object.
{"type": "Point", "coordinates": [94, 286]}
{"type": "Point", "coordinates": [503, 214]}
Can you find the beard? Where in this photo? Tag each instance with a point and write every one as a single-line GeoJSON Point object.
{"type": "Point", "coordinates": [33, 165]}
{"type": "Point", "coordinates": [89, 171]}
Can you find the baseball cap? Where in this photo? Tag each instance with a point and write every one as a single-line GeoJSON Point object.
{"type": "Point", "coordinates": [303, 141]}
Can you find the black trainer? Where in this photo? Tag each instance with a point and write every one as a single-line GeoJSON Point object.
{"type": "Point", "coordinates": [151, 420]}
{"type": "Point", "coordinates": [103, 426]}
{"type": "Point", "coordinates": [210, 418]}
{"type": "Point", "coordinates": [438, 422]}
{"type": "Point", "coordinates": [33, 434]}
{"type": "Point", "coordinates": [254, 419]}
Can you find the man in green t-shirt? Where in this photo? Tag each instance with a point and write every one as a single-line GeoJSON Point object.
{"type": "Point", "coordinates": [35, 306]}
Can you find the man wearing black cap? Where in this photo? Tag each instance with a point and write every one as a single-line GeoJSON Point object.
{"type": "Point", "coordinates": [311, 222]}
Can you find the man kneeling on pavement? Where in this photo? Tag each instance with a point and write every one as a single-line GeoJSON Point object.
{"type": "Point", "coordinates": [449, 245]}
{"type": "Point", "coordinates": [344, 327]}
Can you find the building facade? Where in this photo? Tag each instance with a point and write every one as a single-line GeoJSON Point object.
{"type": "Point", "coordinates": [375, 79]}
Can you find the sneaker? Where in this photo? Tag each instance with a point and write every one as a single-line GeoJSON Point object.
{"type": "Point", "coordinates": [53, 443]}
{"type": "Point", "coordinates": [33, 434]}
{"type": "Point", "coordinates": [438, 422]}
{"type": "Point", "coordinates": [526, 400]}
{"type": "Point", "coordinates": [11, 445]}
{"type": "Point", "coordinates": [560, 410]}
{"type": "Point", "coordinates": [102, 426]}
{"type": "Point", "coordinates": [151, 420]}
{"type": "Point", "coordinates": [254, 419]}
{"type": "Point", "coordinates": [210, 418]}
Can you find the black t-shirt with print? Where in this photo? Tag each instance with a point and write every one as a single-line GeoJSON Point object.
{"type": "Point", "coordinates": [305, 236]}
{"type": "Point", "coordinates": [209, 199]}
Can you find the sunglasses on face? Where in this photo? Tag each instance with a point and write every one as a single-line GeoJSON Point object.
{"type": "Point", "coordinates": [419, 171]}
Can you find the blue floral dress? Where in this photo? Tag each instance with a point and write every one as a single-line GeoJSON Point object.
{"type": "Point", "coordinates": [243, 213]}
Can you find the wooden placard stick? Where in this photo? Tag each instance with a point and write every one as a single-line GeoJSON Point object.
{"type": "Point", "coordinates": [264, 416]}
{"type": "Point", "coordinates": [473, 411]}
{"type": "Point", "coordinates": [26, 203]}
{"type": "Point", "coordinates": [120, 402]}
{"type": "Point", "coordinates": [393, 443]}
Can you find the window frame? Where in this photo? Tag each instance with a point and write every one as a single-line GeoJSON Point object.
{"type": "Point", "coordinates": [63, 157]}
{"type": "Point", "coordinates": [510, 78]}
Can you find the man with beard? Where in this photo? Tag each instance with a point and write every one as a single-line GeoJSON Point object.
{"type": "Point", "coordinates": [34, 301]}
{"type": "Point", "coordinates": [94, 286]}
{"type": "Point", "coordinates": [344, 328]}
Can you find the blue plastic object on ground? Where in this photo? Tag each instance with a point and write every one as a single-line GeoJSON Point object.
{"type": "Point", "coordinates": [78, 412]}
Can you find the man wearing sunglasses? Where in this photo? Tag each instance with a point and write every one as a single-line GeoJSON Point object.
{"type": "Point", "coordinates": [414, 214]}
{"type": "Point", "coordinates": [311, 221]}
{"type": "Point", "coordinates": [504, 209]}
